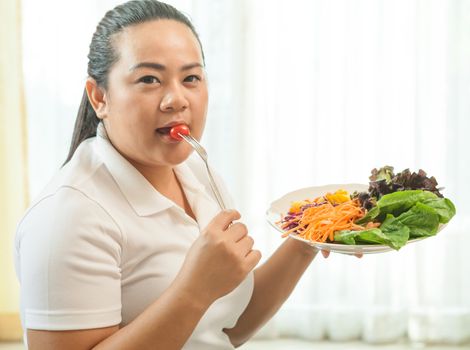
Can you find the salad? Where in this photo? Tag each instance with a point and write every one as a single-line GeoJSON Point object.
{"type": "Point", "coordinates": [394, 209]}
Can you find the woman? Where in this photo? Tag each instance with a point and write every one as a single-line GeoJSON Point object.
{"type": "Point", "coordinates": [126, 247]}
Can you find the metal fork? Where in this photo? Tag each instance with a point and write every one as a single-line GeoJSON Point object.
{"type": "Point", "coordinates": [203, 154]}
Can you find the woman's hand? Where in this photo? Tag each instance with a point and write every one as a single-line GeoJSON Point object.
{"type": "Point", "coordinates": [220, 259]}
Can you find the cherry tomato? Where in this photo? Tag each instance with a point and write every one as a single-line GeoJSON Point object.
{"type": "Point", "coordinates": [179, 129]}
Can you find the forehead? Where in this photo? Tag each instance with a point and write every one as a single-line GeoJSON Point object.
{"type": "Point", "coordinates": [163, 41]}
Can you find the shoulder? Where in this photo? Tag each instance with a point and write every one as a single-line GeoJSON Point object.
{"type": "Point", "coordinates": [68, 202]}
{"type": "Point", "coordinates": [67, 217]}
{"type": "Point", "coordinates": [73, 194]}
{"type": "Point", "coordinates": [85, 166]}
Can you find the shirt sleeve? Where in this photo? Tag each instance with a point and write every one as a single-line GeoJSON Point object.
{"type": "Point", "coordinates": [68, 257]}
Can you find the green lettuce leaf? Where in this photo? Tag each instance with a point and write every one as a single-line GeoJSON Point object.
{"type": "Point", "coordinates": [444, 208]}
{"type": "Point", "coordinates": [373, 235]}
{"type": "Point", "coordinates": [392, 233]}
{"type": "Point", "coordinates": [395, 203]}
{"type": "Point", "coordinates": [422, 220]}
{"type": "Point", "coordinates": [396, 232]}
{"type": "Point", "coordinates": [346, 237]}
{"type": "Point", "coordinates": [404, 215]}
{"type": "Point", "coordinates": [398, 202]}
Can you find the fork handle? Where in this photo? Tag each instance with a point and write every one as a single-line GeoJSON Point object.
{"type": "Point", "coordinates": [215, 189]}
{"type": "Point", "coordinates": [202, 153]}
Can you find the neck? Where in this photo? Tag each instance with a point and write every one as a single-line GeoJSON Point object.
{"type": "Point", "coordinates": [162, 178]}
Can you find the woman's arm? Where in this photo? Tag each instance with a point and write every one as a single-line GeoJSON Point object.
{"type": "Point", "coordinates": [217, 262]}
{"type": "Point", "coordinates": [274, 282]}
{"type": "Point", "coordinates": [165, 324]}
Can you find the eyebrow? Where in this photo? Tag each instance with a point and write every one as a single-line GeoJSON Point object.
{"type": "Point", "coordinates": [158, 66]}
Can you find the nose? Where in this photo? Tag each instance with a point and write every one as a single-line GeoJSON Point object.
{"type": "Point", "coordinates": [173, 100]}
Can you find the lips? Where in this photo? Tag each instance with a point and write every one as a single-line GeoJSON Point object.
{"type": "Point", "coordinates": [165, 130]}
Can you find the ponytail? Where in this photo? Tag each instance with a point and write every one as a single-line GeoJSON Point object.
{"type": "Point", "coordinates": [85, 125]}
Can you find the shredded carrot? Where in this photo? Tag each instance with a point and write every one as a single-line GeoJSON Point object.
{"type": "Point", "coordinates": [319, 223]}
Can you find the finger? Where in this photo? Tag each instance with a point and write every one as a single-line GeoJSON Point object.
{"type": "Point", "coordinates": [325, 253]}
{"type": "Point", "coordinates": [359, 255]}
{"type": "Point", "coordinates": [237, 231]}
{"type": "Point", "coordinates": [245, 245]}
{"type": "Point", "coordinates": [252, 258]}
{"type": "Point", "coordinates": [225, 218]}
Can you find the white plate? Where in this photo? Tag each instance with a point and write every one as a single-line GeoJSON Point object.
{"type": "Point", "coordinates": [281, 206]}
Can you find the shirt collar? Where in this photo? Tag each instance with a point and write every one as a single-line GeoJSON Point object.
{"type": "Point", "coordinates": [202, 204]}
{"type": "Point", "coordinates": [141, 195]}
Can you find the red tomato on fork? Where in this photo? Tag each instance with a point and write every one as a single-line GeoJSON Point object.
{"type": "Point", "coordinates": [177, 130]}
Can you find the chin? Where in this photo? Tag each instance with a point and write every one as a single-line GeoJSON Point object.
{"type": "Point", "coordinates": [176, 158]}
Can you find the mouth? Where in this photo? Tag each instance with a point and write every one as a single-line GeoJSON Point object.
{"type": "Point", "coordinates": [165, 130]}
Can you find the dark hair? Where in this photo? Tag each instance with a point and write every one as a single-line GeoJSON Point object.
{"type": "Point", "coordinates": [102, 54]}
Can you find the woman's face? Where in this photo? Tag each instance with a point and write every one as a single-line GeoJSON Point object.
{"type": "Point", "coordinates": [157, 82]}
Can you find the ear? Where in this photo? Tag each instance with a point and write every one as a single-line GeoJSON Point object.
{"type": "Point", "coordinates": [97, 97]}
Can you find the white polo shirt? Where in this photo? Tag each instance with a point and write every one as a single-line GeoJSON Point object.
{"type": "Point", "coordinates": [100, 244]}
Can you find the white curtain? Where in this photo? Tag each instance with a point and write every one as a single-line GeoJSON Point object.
{"type": "Point", "coordinates": [306, 93]}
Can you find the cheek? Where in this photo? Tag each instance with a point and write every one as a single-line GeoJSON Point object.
{"type": "Point", "coordinates": [125, 121]}
{"type": "Point", "coordinates": [202, 101]}
{"type": "Point", "coordinates": [131, 109]}
{"type": "Point", "coordinates": [200, 113]}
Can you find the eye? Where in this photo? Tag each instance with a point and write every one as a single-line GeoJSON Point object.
{"type": "Point", "coordinates": [149, 79]}
{"type": "Point", "coordinates": [192, 79]}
